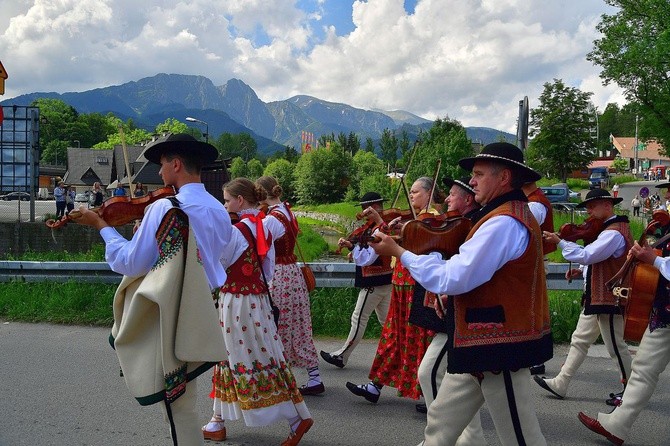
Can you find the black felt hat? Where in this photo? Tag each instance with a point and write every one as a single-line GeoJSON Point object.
{"type": "Point", "coordinates": [599, 194]}
{"type": "Point", "coordinates": [662, 185]}
{"type": "Point", "coordinates": [371, 198]}
{"type": "Point", "coordinates": [505, 153]}
{"type": "Point", "coordinates": [463, 183]}
{"type": "Point", "coordinates": [182, 144]}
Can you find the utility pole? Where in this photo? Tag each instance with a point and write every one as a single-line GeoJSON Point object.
{"type": "Point", "coordinates": [635, 147]}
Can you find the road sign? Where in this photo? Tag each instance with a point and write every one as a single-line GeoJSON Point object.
{"type": "Point", "coordinates": [644, 192]}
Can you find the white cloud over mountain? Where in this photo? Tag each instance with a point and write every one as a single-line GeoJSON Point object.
{"type": "Point", "coordinates": [472, 61]}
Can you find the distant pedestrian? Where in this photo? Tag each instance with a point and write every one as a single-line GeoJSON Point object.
{"type": "Point", "coordinates": [636, 204]}
{"type": "Point", "coordinates": [69, 199]}
{"type": "Point", "coordinates": [615, 190]}
{"type": "Point", "coordinates": [59, 195]}
{"type": "Point", "coordinates": [120, 191]}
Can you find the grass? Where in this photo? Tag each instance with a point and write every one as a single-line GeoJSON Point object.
{"type": "Point", "coordinates": [91, 304]}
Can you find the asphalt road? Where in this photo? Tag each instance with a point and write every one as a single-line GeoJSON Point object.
{"type": "Point", "coordinates": [61, 386]}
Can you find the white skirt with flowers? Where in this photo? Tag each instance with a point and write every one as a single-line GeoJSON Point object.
{"type": "Point", "coordinates": [256, 383]}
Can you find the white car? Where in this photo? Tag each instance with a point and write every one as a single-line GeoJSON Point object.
{"type": "Point", "coordinates": [574, 194]}
{"type": "Point", "coordinates": [81, 198]}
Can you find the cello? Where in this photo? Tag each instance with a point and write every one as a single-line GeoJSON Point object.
{"type": "Point", "coordinates": [635, 284]}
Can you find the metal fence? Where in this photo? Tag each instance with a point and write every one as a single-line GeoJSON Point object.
{"type": "Point", "coordinates": [328, 275]}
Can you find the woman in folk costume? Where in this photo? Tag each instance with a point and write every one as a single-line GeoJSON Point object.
{"type": "Point", "coordinates": [402, 345]}
{"type": "Point", "coordinates": [256, 383]}
{"type": "Point", "coordinates": [289, 290]}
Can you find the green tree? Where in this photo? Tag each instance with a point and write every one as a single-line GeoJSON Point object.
{"type": "Point", "coordinates": [238, 168]}
{"type": "Point", "coordinates": [369, 145]}
{"type": "Point", "coordinates": [447, 141]}
{"type": "Point", "coordinates": [58, 129]}
{"type": "Point", "coordinates": [561, 130]}
{"type": "Point", "coordinates": [323, 175]}
{"type": "Point", "coordinates": [369, 175]}
{"type": "Point", "coordinates": [172, 125]}
{"type": "Point", "coordinates": [619, 164]}
{"type": "Point", "coordinates": [283, 171]}
{"type": "Point", "coordinates": [254, 169]}
{"type": "Point", "coordinates": [633, 53]}
{"type": "Point", "coordinates": [231, 145]}
{"type": "Point", "coordinates": [389, 147]}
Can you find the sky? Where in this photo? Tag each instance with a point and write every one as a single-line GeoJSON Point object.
{"type": "Point", "coordinates": [472, 61]}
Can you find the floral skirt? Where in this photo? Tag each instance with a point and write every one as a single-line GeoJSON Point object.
{"type": "Point", "coordinates": [256, 383]}
{"type": "Point", "coordinates": [401, 347]}
{"type": "Point", "coordinates": [289, 293]}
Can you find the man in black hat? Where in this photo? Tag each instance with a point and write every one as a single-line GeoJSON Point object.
{"type": "Point", "coordinates": [151, 319]}
{"type": "Point", "coordinates": [373, 277]}
{"type": "Point", "coordinates": [651, 359]}
{"type": "Point", "coordinates": [498, 310]}
{"type": "Point", "coordinates": [601, 314]}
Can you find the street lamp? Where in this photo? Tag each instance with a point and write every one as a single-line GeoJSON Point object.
{"type": "Point", "coordinates": [190, 119]}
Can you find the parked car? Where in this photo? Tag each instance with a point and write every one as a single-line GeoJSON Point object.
{"type": "Point", "coordinates": [568, 208]}
{"type": "Point", "coordinates": [23, 196]}
{"type": "Point", "coordinates": [81, 198]}
{"type": "Point", "coordinates": [574, 194]}
{"type": "Point", "coordinates": [556, 193]}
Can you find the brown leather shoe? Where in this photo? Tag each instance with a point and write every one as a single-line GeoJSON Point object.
{"type": "Point", "coordinates": [312, 390]}
{"type": "Point", "coordinates": [219, 435]}
{"type": "Point", "coordinates": [294, 437]}
{"type": "Point", "coordinates": [596, 427]}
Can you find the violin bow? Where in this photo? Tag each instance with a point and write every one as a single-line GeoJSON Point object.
{"type": "Point", "coordinates": [432, 189]}
{"type": "Point", "coordinates": [125, 159]}
{"type": "Point", "coordinates": [411, 158]}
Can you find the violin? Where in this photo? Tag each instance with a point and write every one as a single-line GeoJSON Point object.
{"type": "Point", "coordinates": [587, 231]}
{"type": "Point", "coordinates": [361, 235]}
{"type": "Point", "coordinates": [421, 237]}
{"type": "Point", "coordinates": [118, 211]}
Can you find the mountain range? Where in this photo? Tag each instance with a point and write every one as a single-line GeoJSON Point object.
{"type": "Point", "coordinates": [235, 108]}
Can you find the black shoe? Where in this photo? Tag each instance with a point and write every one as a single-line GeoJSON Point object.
{"type": "Point", "coordinates": [361, 390]}
{"type": "Point", "coordinates": [545, 386]}
{"type": "Point", "coordinates": [615, 399]}
{"type": "Point", "coordinates": [336, 360]}
{"type": "Point", "coordinates": [537, 370]}
{"type": "Point", "coordinates": [312, 390]}
{"type": "Point", "coordinates": [421, 408]}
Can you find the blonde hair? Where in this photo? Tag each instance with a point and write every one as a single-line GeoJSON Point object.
{"type": "Point", "coordinates": [250, 192]}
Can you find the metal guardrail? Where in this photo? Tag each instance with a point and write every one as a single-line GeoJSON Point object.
{"type": "Point", "coordinates": [328, 275]}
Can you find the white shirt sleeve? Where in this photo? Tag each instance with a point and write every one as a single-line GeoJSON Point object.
{"type": "Point", "coordinates": [496, 242]}
{"type": "Point", "coordinates": [538, 210]}
{"type": "Point", "coordinates": [609, 243]}
{"type": "Point", "coordinates": [364, 256]}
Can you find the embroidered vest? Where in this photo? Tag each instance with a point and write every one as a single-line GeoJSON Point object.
{"type": "Point", "coordinates": [244, 275]}
{"type": "Point", "coordinates": [504, 324]}
{"type": "Point", "coordinates": [603, 271]}
{"type": "Point", "coordinates": [377, 274]}
{"type": "Point", "coordinates": [285, 244]}
{"type": "Point", "coordinates": [548, 225]}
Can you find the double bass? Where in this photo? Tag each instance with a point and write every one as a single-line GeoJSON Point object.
{"type": "Point", "coordinates": [635, 284]}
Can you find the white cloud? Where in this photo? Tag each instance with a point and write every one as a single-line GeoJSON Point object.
{"type": "Point", "coordinates": [472, 61]}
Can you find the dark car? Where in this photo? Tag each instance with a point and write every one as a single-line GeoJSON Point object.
{"type": "Point", "coordinates": [23, 196]}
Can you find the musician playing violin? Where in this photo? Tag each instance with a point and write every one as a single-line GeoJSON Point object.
{"type": "Point", "coordinates": [154, 293]}
{"type": "Point", "coordinates": [498, 310]}
{"type": "Point", "coordinates": [402, 345]}
{"type": "Point", "coordinates": [601, 314]}
{"type": "Point", "coordinates": [459, 201]}
{"type": "Point", "coordinates": [653, 354]}
{"type": "Point", "coordinates": [373, 277]}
